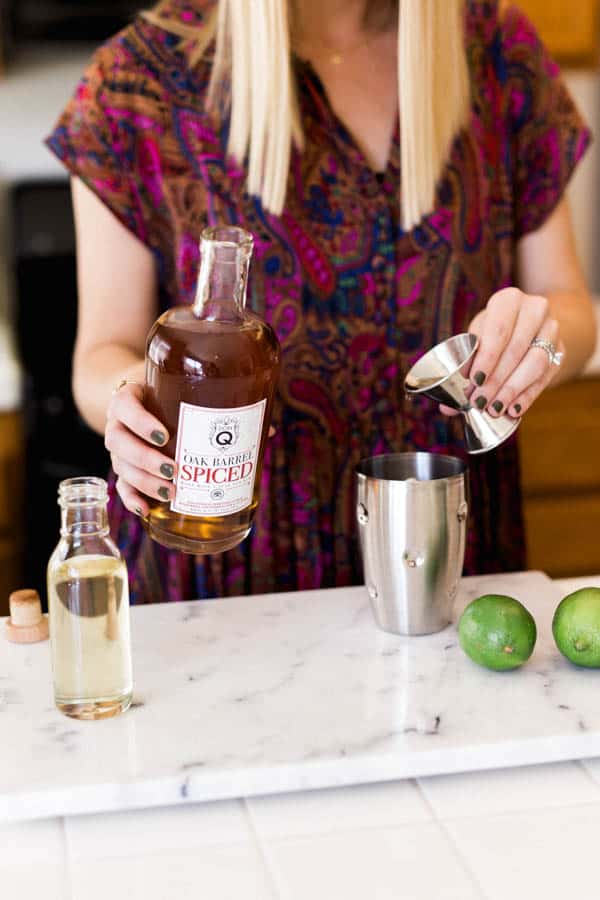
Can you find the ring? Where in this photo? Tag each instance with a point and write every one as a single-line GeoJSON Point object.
{"type": "Point", "coordinates": [554, 356]}
{"type": "Point", "coordinates": [125, 381]}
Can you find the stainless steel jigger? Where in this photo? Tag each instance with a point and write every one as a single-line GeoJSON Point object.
{"type": "Point", "coordinates": [439, 374]}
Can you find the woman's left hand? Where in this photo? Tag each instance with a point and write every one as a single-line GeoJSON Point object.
{"type": "Point", "coordinates": [507, 373]}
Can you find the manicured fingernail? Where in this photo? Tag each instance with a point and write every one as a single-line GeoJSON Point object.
{"type": "Point", "coordinates": [158, 437]}
{"type": "Point", "coordinates": [163, 492]}
{"type": "Point", "coordinates": [481, 402]}
{"type": "Point", "coordinates": [518, 408]}
{"type": "Point", "coordinates": [479, 378]}
{"type": "Point", "coordinates": [497, 406]}
{"type": "Point", "coordinates": [167, 470]}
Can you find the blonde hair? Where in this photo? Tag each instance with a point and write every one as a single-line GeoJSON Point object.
{"type": "Point", "coordinates": [252, 70]}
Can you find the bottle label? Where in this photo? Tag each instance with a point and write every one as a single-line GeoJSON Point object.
{"type": "Point", "coordinates": [216, 456]}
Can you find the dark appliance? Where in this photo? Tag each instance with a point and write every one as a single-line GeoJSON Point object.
{"type": "Point", "coordinates": [58, 443]}
{"type": "Point", "coordinates": [31, 21]}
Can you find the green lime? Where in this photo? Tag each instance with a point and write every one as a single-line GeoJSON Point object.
{"type": "Point", "coordinates": [576, 627]}
{"type": "Point", "coordinates": [497, 632]}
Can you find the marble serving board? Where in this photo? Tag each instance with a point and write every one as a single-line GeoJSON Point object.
{"type": "Point", "coordinates": [286, 692]}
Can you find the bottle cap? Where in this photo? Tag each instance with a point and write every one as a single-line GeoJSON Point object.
{"type": "Point", "coordinates": [26, 624]}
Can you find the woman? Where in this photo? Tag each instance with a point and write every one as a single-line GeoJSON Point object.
{"type": "Point", "coordinates": [377, 234]}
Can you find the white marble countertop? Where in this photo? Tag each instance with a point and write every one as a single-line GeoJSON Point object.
{"type": "Point", "coordinates": [522, 832]}
{"type": "Point", "coordinates": [284, 692]}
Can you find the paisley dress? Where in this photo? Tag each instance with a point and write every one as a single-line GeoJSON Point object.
{"type": "Point", "coordinates": [354, 299]}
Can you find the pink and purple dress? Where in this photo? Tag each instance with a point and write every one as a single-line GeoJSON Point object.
{"type": "Point", "coordinates": [354, 299]}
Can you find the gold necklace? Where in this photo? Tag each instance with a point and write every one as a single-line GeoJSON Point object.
{"type": "Point", "coordinates": [336, 57]}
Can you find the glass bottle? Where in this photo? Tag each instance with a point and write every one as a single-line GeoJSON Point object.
{"type": "Point", "coordinates": [88, 605]}
{"type": "Point", "coordinates": [211, 374]}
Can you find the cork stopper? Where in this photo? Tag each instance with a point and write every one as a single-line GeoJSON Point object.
{"type": "Point", "coordinates": [26, 624]}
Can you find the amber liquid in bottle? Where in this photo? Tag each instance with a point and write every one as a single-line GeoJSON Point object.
{"type": "Point", "coordinates": [211, 374]}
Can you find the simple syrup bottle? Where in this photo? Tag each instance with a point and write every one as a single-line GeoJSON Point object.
{"type": "Point", "coordinates": [88, 606]}
{"type": "Point", "coordinates": [211, 374]}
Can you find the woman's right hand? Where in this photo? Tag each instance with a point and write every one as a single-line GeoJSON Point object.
{"type": "Point", "coordinates": [133, 437]}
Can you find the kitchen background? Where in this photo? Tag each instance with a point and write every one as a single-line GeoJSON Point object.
{"type": "Point", "coordinates": [44, 45]}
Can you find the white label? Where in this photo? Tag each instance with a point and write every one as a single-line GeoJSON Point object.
{"type": "Point", "coordinates": [216, 458]}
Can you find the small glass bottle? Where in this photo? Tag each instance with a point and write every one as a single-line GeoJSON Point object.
{"type": "Point", "coordinates": [88, 605]}
{"type": "Point", "coordinates": [211, 374]}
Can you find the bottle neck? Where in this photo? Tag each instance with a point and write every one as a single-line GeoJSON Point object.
{"type": "Point", "coordinates": [83, 507]}
{"type": "Point", "coordinates": [84, 521]}
{"type": "Point", "coordinates": [223, 276]}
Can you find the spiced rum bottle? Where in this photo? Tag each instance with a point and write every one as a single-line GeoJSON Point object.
{"type": "Point", "coordinates": [211, 373]}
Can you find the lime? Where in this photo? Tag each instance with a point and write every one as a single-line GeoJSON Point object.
{"type": "Point", "coordinates": [576, 627]}
{"type": "Point", "coordinates": [497, 632]}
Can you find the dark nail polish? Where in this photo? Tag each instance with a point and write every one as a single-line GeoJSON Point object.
{"type": "Point", "coordinates": [518, 408]}
{"type": "Point", "coordinates": [497, 406]}
{"type": "Point", "coordinates": [479, 378]}
{"type": "Point", "coordinates": [158, 437]}
{"type": "Point", "coordinates": [163, 492]}
{"type": "Point", "coordinates": [481, 402]}
{"type": "Point", "coordinates": [167, 470]}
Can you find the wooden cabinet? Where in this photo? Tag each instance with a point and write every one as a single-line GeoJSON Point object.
{"type": "Point", "coordinates": [560, 457]}
{"type": "Point", "coordinates": [569, 29]}
{"type": "Point", "coordinates": [11, 505]}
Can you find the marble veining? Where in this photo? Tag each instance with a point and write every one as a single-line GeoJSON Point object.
{"type": "Point", "coordinates": [285, 692]}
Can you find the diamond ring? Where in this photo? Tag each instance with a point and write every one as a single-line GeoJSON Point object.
{"type": "Point", "coordinates": [555, 356]}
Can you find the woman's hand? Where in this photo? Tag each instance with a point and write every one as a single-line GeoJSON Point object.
{"type": "Point", "coordinates": [507, 373]}
{"type": "Point", "coordinates": [132, 436]}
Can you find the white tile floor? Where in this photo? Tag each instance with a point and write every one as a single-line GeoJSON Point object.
{"type": "Point", "coordinates": [551, 853]}
{"type": "Point", "coordinates": [520, 833]}
{"type": "Point", "coordinates": [416, 862]}
{"type": "Point", "coordinates": [363, 807]}
{"type": "Point", "coordinates": [31, 843]}
{"type": "Point", "coordinates": [145, 832]}
{"type": "Point", "coordinates": [33, 861]}
{"type": "Point", "coordinates": [218, 872]}
{"type": "Point", "coordinates": [510, 790]}
{"type": "Point", "coordinates": [592, 767]}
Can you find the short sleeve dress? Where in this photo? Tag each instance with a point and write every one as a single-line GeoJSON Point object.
{"type": "Point", "coordinates": [354, 299]}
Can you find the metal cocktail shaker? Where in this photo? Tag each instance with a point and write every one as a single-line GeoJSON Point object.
{"type": "Point", "coordinates": [412, 513]}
